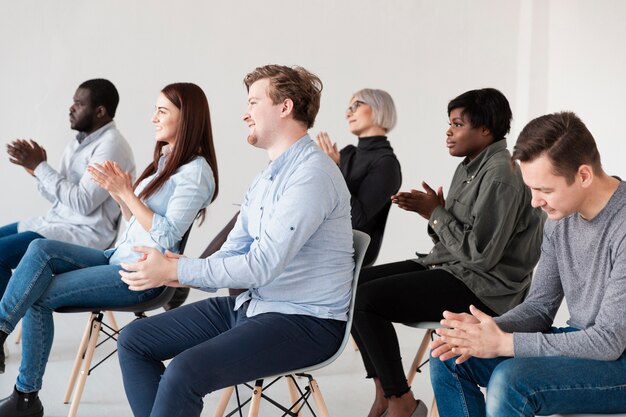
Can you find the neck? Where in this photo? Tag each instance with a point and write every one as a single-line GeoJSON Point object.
{"type": "Point", "coordinates": [98, 125]}
{"type": "Point", "coordinates": [284, 140]}
{"type": "Point", "coordinates": [601, 191]}
{"type": "Point", "coordinates": [372, 131]}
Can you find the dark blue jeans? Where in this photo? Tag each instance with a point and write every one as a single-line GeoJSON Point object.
{"type": "Point", "coordinates": [525, 387]}
{"type": "Point", "coordinates": [212, 347]}
{"type": "Point", "coordinates": [13, 246]}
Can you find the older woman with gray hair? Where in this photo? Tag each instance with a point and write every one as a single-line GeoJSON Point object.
{"type": "Point", "coordinates": [371, 168]}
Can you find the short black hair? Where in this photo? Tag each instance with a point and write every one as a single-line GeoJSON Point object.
{"type": "Point", "coordinates": [102, 93]}
{"type": "Point", "coordinates": [486, 107]}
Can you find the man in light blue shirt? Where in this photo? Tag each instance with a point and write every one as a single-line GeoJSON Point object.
{"type": "Point", "coordinates": [291, 248]}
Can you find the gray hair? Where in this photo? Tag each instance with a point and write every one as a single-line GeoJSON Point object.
{"type": "Point", "coordinates": [382, 106]}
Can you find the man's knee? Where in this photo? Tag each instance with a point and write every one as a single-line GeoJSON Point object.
{"type": "Point", "coordinates": [130, 338]}
{"type": "Point", "coordinates": [506, 387]}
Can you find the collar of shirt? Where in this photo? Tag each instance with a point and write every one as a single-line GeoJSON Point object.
{"type": "Point", "coordinates": [472, 167]}
{"type": "Point", "coordinates": [85, 139]}
{"type": "Point", "coordinates": [277, 164]}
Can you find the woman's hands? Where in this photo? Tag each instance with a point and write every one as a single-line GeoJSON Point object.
{"type": "Point", "coordinates": [112, 178]}
{"type": "Point", "coordinates": [329, 148]}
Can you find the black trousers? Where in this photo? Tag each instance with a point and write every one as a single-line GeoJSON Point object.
{"type": "Point", "coordinates": [401, 292]}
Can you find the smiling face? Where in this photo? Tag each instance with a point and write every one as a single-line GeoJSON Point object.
{"type": "Point", "coordinates": [463, 139]}
{"type": "Point", "coordinates": [360, 118]}
{"type": "Point", "coordinates": [551, 192]}
{"type": "Point", "coordinates": [262, 115]}
{"type": "Point", "coordinates": [166, 120]}
{"type": "Point", "coordinates": [82, 113]}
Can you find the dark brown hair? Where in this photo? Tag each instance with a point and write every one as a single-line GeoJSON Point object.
{"type": "Point", "coordinates": [303, 88]}
{"type": "Point", "coordinates": [193, 137]}
{"type": "Point", "coordinates": [564, 138]}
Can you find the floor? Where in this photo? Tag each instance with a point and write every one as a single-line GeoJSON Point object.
{"type": "Point", "coordinates": [342, 383]}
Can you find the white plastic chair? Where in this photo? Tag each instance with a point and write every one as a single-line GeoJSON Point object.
{"type": "Point", "coordinates": [298, 396]}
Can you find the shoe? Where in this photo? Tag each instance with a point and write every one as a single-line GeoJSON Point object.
{"type": "Point", "coordinates": [420, 411]}
{"type": "Point", "coordinates": [20, 404]}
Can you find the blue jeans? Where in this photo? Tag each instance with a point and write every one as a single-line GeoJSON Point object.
{"type": "Point", "coordinates": [55, 274]}
{"type": "Point", "coordinates": [13, 246]}
{"type": "Point", "coordinates": [214, 347]}
{"type": "Point", "coordinates": [529, 386]}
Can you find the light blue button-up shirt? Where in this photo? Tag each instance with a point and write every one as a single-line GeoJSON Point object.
{"type": "Point", "coordinates": [292, 243]}
{"type": "Point", "coordinates": [175, 206]}
{"type": "Point", "coordinates": [82, 212]}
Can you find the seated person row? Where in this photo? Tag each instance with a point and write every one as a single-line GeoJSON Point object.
{"type": "Point", "coordinates": [159, 208]}
{"type": "Point", "coordinates": [487, 240]}
{"type": "Point", "coordinates": [371, 168]}
{"type": "Point", "coordinates": [529, 367]}
{"type": "Point", "coordinates": [82, 213]}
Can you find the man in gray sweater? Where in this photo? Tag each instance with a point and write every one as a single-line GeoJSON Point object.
{"type": "Point", "coordinates": [529, 367]}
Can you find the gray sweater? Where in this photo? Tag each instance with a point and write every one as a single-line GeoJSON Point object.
{"type": "Point", "coordinates": [585, 262]}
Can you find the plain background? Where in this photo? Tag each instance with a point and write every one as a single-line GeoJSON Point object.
{"type": "Point", "coordinates": [544, 55]}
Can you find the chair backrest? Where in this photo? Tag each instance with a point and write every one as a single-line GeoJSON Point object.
{"type": "Point", "coordinates": [361, 241]}
{"type": "Point", "coordinates": [220, 238]}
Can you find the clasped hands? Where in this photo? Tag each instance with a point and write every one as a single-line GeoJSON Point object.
{"type": "Point", "coordinates": [421, 202]}
{"type": "Point", "coordinates": [152, 270]}
{"type": "Point", "coordinates": [112, 178]}
{"type": "Point", "coordinates": [465, 335]}
{"type": "Point", "coordinates": [26, 153]}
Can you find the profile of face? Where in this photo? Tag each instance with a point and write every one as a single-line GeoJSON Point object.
{"type": "Point", "coordinates": [262, 115]}
{"type": "Point", "coordinates": [464, 140]}
{"type": "Point", "coordinates": [360, 118]}
{"type": "Point", "coordinates": [166, 119]}
{"type": "Point", "coordinates": [550, 191]}
{"type": "Point", "coordinates": [82, 114]}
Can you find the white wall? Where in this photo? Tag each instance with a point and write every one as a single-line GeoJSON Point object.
{"type": "Point", "coordinates": [544, 55]}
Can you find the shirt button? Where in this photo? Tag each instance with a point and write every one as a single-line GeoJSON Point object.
{"type": "Point", "coordinates": [256, 238]}
{"type": "Point", "coordinates": [435, 221]}
{"type": "Point", "coordinates": [431, 251]}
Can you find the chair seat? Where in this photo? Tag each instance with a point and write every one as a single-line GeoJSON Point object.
{"type": "Point", "coordinates": [424, 325]}
{"type": "Point", "coordinates": [152, 304]}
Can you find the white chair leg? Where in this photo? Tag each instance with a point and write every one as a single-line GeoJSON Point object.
{"type": "Point", "coordinates": [91, 347]}
{"type": "Point", "coordinates": [80, 354]}
{"type": "Point", "coordinates": [223, 402]}
{"type": "Point", "coordinates": [319, 399]}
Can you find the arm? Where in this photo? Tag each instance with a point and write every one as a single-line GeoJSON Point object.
{"type": "Point", "coordinates": [481, 243]}
{"type": "Point", "coordinates": [296, 216]}
{"type": "Point", "coordinates": [383, 179]}
{"type": "Point", "coordinates": [82, 197]}
{"type": "Point", "coordinates": [537, 312]}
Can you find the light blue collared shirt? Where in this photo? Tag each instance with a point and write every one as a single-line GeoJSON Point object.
{"type": "Point", "coordinates": [292, 243]}
{"type": "Point", "coordinates": [82, 212]}
{"type": "Point", "coordinates": [175, 206]}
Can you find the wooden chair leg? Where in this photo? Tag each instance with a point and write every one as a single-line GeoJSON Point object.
{"type": "Point", "coordinates": [319, 399]}
{"type": "Point", "coordinates": [18, 334]}
{"type": "Point", "coordinates": [354, 345]}
{"type": "Point", "coordinates": [111, 320]}
{"type": "Point", "coordinates": [80, 354]}
{"type": "Point", "coordinates": [255, 402]}
{"type": "Point", "coordinates": [419, 356]}
{"type": "Point", "coordinates": [294, 395]}
{"type": "Point", "coordinates": [91, 347]}
{"type": "Point", "coordinates": [223, 402]}
{"type": "Point", "coordinates": [434, 412]}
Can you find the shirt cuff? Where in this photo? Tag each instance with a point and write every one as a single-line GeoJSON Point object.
{"type": "Point", "coordinates": [438, 218]}
{"type": "Point", "coordinates": [190, 273]}
{"type": "Point", "coordinates": [42, 170]}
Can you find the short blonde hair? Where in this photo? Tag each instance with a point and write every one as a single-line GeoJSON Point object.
{"type": "Point", "coordinates": [382, 106]}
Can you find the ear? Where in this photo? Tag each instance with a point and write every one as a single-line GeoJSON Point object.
{"type": "Point", "coordinates": [585, 175]}
{"type": "Point", "coordinates": [286, 108]}
{"type": "Point", "coordinates": [484, 131]}
{"type": "Point", "coordinates": [101, 112]}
